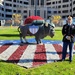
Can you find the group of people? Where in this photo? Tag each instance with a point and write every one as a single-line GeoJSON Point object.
{"type": "Point", "coordinates": [68, 32]}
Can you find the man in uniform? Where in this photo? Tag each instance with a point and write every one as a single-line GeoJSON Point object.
{"type": "Point", "coordinates": [68, 31]}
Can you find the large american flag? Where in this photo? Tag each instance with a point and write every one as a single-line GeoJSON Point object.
{"type": "Point", "coordinates": [29, 55]}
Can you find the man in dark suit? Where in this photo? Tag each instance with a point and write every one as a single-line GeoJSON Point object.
{"type": "Point", "coordinates": [68, 31]}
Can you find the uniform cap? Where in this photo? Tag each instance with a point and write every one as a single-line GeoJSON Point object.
{"type": "Point", "coordinates": [69, 18]}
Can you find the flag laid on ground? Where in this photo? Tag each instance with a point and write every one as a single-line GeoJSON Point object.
{"type": "Point", "coordinates": [30, 55]}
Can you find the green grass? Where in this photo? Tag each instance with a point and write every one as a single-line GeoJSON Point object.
{"type": "Point", "coordinates": [57, 36]}
{"type": "Point", "coordinates": [11, 33]}
{"type": "Point", "coordinates": [56, 68]}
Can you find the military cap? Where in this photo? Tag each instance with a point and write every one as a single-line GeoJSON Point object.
{"type": "Point", "coordinates": [69, 18]}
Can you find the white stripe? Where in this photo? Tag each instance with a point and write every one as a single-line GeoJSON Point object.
{"type": "Point", "coordinates": [28, 56]}
{"type": "Point", "coordinates": [51, 53]}
{"type": "Point", "coordinates": [0, 45]}
{"type": "Point", "coordinates": [8, 52]}
{"type": "Point", "coordinates": [73, 51]}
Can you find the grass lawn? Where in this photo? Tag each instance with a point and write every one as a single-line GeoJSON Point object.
{"type": "Point", "coordinates": [56, 68]}
{"type": "Point", "coordinates": [11, 33]}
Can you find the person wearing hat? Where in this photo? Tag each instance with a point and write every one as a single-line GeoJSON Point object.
{"type": "Point", "coordinates": [68, 38]}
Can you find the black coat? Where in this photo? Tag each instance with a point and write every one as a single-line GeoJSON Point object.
{"type": "Point", "coordinates": [68, 30]}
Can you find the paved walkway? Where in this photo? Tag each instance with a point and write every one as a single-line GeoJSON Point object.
{"type": "Point", "coordinates": [30, 55]}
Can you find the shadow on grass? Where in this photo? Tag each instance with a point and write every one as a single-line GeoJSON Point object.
{"type": "Point", "coordinates": [12, 62]}
{"type": "Point", "coordinates": [10, 35]}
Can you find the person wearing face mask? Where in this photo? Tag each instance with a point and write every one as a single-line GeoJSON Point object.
{"type": "Point", "coordinates": [68, 32]}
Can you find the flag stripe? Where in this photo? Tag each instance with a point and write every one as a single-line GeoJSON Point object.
{"type": "Point", "coordinates": [58, 48]}
{"type": "Point", "coordinates": [17, 54]}
{"type": "Point", "coordinates": [40, 55]}
{"type": "Point", "coordinates": [4, 47]}
{"type": "Point", "coordinates": [51, 53]}
{"type": "Point", "coordinates": [74, 50]}
{"type": "Point", "coordinates": [31, 55]}
{"type": "Point", "coordinates": [8, 52]}
{"type": "Point", "coordinates": [28, 56]}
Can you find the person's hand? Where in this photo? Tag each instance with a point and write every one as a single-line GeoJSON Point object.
{"type": "Point", "coordinates": [68, 37]}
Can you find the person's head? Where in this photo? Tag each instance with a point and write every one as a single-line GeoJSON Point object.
{"type": "Point", "coordinates": [69, 19]}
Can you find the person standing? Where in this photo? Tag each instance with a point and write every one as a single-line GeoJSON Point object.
{"type": "Point", "coordinates": [68, 31]}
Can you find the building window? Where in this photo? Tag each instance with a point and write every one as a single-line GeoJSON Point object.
{"type": "Point", "coordinates": [59, 1]}
{"type": "Point", "coordinates": [64, 6]}
{"type": "Point", "coordinates": [2, 15]}
{"type": "Point", "coordinates": [9, 16]}
{"type": "Point", "coordinates": [20, 1]}
{"type": "Point", "coordinates": [32, 2]}
{"type": "Point", "coordinates": [74, 2]}
{"type": "Point", "coordinates": [73, 15]}
{"type": "Point", "coordinates": [2, 9]}
{"type": "Point", "coordinates": [65, 0]}
{"type": "Point", "coordinates": [8, 10]}
{"type": "Point", "coordinates": [55, 12]}
{"type": "Point", "coordinates": [14, 11]}
{"type": "Point", "coordinates": [19, 11]}
{"type": "Point", "coordinates": [74, 9]}
{"type": "Point", "coordinates": [38, 12]}
{"type": "Point", "coordinates": [49, 12]}
{"type": "Point", "coordinates": [14, 5]}
{"type": "Point", "coordinates": [25, 11]}
{"type": "Point", "coordinates": [59, 6]}
{"type": "Point", "coordinates": [6, 4]}
{"type": "Point", "coordinates": [26, 3]}
{"type": "Point", "coordinates": [25, 16]}
{"type": "Point", "coordinates": [37, 2]}
{"type": "Point", "coordinates": [53, 2]}
{"type": "Point", "coordinates": [59, 11]}
{"type": "Point", "coordinates": [53, 7]}
{"type": "Point", "coordinates": [42, 2]}
{"type": "Point", "coordinates": [49, 3]}
{"type": "Point", "coordinates": [14, 0]}
{"type": "Point", "coordinates": [65, 11]}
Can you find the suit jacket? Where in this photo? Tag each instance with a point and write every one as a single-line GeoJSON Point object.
{"type": "Point", "coordinates": [68, 30]}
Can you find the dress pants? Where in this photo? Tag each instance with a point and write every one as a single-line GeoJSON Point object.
{"type": "Point", "coordinates": [64, 50]}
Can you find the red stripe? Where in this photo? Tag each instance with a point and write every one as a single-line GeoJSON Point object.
{"type": "Point", "coordinates": [3, 48]}
{"type": "Point", "coordinates": [40, 55]}
{"type": "Point", "coordinates": [58, 48]}
{"type": "Point", "coordinates": [74, 47]}
{"type": "Point", "coordinates": [17, 54]}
